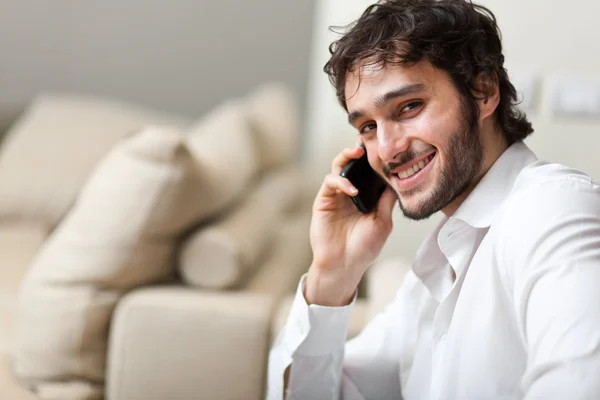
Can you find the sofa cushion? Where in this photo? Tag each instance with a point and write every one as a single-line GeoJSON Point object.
{"type": "Point", "coordinates": [10, 387]}
{"type": "Point", "coordinates": [287, 259]}
{"type": "Point", "coordinates": [272, 110]}
{"type": "Point", "coordinates": [47, 155]}
{"type": "Point", "coordinates": [120, 234]}
{"type": "Point", "coordinates": [223, 145]}
{"type": "Point", "coordinates": [19, 243]}
{"type": "Point", "coordinates": [223, 254]}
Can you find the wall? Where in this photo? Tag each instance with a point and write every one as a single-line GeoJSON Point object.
{"type": "Point", "coordinates": [182, 56]}
{"type": "Point", "coordinates": [551, 42]}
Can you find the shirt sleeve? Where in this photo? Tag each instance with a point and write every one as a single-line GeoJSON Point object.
{"type": "Point", "coordinates": [325, 366]}
{"type": "Point", "coordinates": [553, 248]}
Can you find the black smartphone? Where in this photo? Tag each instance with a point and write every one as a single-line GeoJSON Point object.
{"type": "Point", "coordinates": [368, 182]}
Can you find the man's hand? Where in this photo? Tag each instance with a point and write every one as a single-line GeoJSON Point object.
{"type": "Point", "coordinates": [344, 241]}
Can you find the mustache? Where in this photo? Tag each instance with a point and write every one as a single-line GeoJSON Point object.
{"type": "Point", "coordinates": [403, 158]}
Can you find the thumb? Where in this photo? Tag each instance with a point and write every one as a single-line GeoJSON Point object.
{"type": "Point", "coordinates": [386, 204]}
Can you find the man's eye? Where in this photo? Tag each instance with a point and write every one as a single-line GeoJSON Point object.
{"type": "Point", "coordinates": [413, 105]}
{"type": "Point", "coordinates": [367, 128]}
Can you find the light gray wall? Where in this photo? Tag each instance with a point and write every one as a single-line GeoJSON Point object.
{"type": "Point", "coordinates": [182, 56]}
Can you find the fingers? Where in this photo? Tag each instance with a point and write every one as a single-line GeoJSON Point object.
{"type": "Point", "coordinates": [386, 204]}
{"type": "Point", "coordinates": [333, 184]}
{"type": "Point", "coordinates": [340, 161]}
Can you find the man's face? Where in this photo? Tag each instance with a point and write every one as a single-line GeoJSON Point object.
{"type": "Point", "coordinates": [418, 133]}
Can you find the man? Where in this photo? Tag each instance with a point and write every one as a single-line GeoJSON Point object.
{"type": "Point", "coordinates": [503, 300]}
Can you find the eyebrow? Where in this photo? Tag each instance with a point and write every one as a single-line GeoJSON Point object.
{"type": "Point", "coordinates": [386, 98]}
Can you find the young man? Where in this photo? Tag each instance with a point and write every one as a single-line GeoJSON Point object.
{"type": "Point", "coordinates": [503, 300]}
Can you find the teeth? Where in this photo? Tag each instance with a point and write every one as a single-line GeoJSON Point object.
{"type": "Point", "coordinates": [414, 169]}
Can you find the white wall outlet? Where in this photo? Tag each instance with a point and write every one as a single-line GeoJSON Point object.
{"type": "Point", "coordinates": [577, 98]}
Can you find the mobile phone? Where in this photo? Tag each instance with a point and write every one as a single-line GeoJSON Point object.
{"type": "Point", "coordinates": [369, 183]}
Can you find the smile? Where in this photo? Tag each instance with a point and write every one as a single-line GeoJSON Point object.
{"type": "Point", "coordinates": [416, 167]}
{"type": "Point", "coordinates": [407, 176]}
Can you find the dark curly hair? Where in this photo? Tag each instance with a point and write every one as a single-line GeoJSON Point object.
{"type": "Point", "coordinates": [457, 36]}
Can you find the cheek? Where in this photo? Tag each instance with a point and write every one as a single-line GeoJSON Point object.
{"type": "Point", "coordinates": [435, 125]}
{"type": "Point", "coordinates": [426, 127]}
{"type": "Point", "coordinates": [433, 131]}
{"type": "Point", "coordinates": [374, 160]}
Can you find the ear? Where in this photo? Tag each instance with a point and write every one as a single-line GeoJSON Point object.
{"type": "Point", "coordinates": [487, 94]}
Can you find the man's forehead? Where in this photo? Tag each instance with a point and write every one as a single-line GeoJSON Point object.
{"type": "Point", "coordinates": [373, 78]}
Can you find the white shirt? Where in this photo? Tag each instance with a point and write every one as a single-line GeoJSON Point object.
{"type": "Point", "coordinates": [520, 321]}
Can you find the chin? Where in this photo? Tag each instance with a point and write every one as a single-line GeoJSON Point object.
{"type": "Point", "coordinates": [416, 206]}
{"type": "Point", "coordinates": [413, 197]}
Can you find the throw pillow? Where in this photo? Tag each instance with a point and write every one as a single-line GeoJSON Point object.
{"type": "Point", "coordinates": [48, 154]}
{"type": "Point", "coordinates": [222, 254]}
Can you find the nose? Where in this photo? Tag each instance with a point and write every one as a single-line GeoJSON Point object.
{"type": "Point", "coordinates": [391, 141]}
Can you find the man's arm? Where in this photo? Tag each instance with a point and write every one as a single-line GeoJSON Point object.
{"type": "Point", "coordinates": [344, 243]}
{"type": "Point", "coordinates": [555, 260]}
{"type": "Point", "coordinates": [311, 359]}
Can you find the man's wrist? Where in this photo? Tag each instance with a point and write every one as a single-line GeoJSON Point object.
{"type": "Point", "coordinates": [329, 289]}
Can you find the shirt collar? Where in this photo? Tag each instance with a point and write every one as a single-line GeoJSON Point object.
{"type": "Point", "coordinates": [480, 207]}
{"type": "Point", "coordinates": [452, 241]}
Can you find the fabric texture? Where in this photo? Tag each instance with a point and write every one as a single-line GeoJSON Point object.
{"type": "Point", "coordinates": [224, 148]}
{"type": "Point", "coordinates": [117, 198]}
{"type": "Point", "coordinates": [357, 320]}
{"type": "Point", "coordinates": [287, 258]}
{"type": "Point", "coordinates": [501, 302]}
{"type": "Point", "coordinates": [10, 387]}
{"type": "Point", "coordinates": [223, 254]}
{"type": "Point", "coordinates": [273, 114]}
{"type": "Point", "coordinates": [121, 233]}
{"type": "Point", "coordinates": [383, 280]}
{"type": "Point", "coordinates": [50, 151]}
{"type": "Point", "coordinates": [19, 243]}
{"type": "Point", "coordinates": [181, 343]}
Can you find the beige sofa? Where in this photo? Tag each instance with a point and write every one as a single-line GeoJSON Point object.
{"type": "Point", "coordinates": [151, 256]}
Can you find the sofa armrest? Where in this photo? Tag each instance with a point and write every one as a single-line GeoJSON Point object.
{"type": "Point", "coordinates": [179, 343]}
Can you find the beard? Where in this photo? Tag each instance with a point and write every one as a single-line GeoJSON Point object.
{"type": "Point", "coordinates": [464, 162]}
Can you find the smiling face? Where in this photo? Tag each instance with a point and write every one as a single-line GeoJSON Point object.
{"type": "Point", "coordinates": [419, 134]}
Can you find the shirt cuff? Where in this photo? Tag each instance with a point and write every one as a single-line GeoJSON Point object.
{"type": "Point", "coordinates": [314, 330]}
